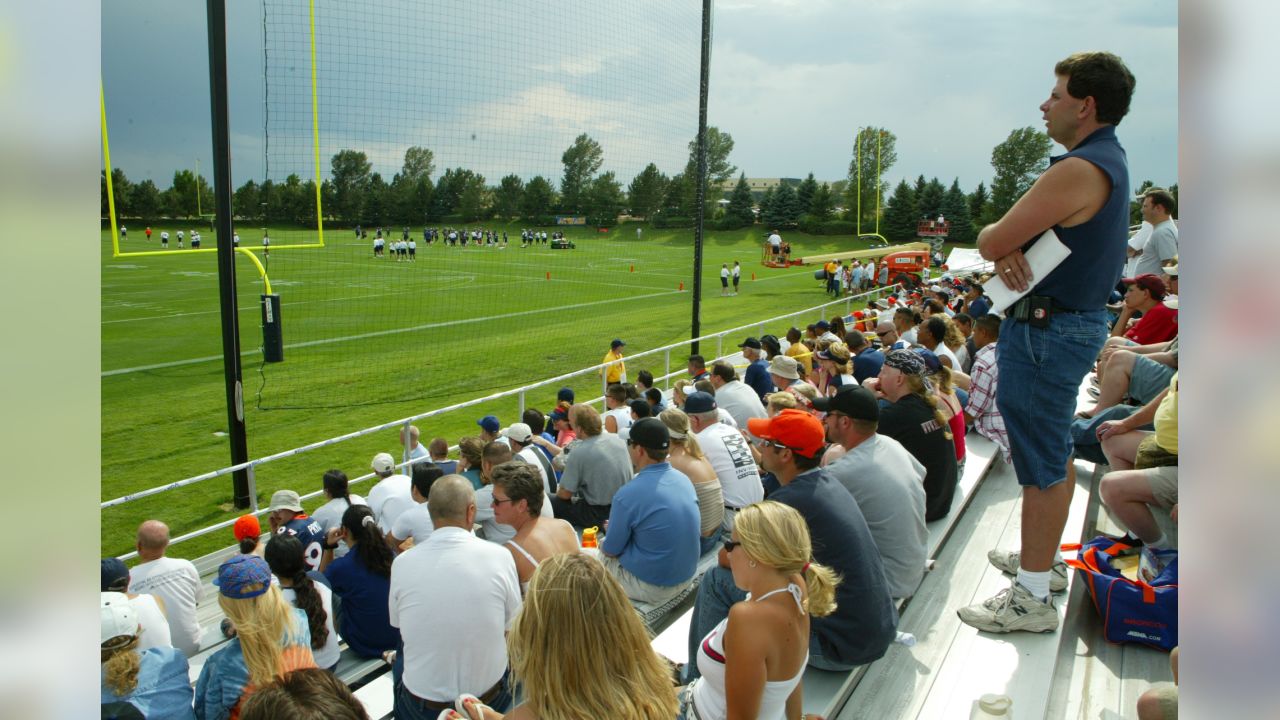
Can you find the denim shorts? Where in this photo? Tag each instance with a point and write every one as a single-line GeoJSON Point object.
{"type": "Point", "coordinates": [1038, 386]}
{"type": "Point", "coordinates": [1148, 379]}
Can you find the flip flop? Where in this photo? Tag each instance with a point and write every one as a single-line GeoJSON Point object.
{"type": "Point", "coordinates": [389, 657]}
{"type": "Point", "coordinates": [461, 705]}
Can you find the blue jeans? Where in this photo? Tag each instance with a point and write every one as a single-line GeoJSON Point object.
{"type": "Point", "coordinates": [707, 543]}
{"type": "Point", "coordinates": [1084, 432]}
{"type": "Point", "coordinates": [408, 707]}
{"type": "Point", "coordinates": [1040, 371]}
{"type": "Point", "coordinates": [716, 594]}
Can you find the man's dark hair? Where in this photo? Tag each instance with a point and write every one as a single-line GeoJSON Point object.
{"type": "Point", "coordinates": [520, 481]}
{"type": "Point", "coordinates": [306, 694]}
{"type": "Point", "coordinates": [616, 392]}
{"type": "Point", "coordinates": [988, 322]}
{"type": "Point", "coordinates": [698, 361]}
{"type": "Point", "coordinates": [855, 340]}
{"type": "Point", "coordinates": [644, 377]}
{"type": "Point", "coordinates": [807, 463]}
{"type": "Point", "coordinates": [937, 328]}
{"type": "Point", "coordinates": [496, 452]}
{"type": "Point", "coordinates": [1163, 198]}
{"type": "Point", "coordinates": [904, 311]}
{"type": "Point", "coordinates": [424, 474]}
{"type": "Point", "coordinates": [653, 395]}
{"type": "Point", "coordinates": [641, 408]}
{"type": "Point", "coordinates": [723, 370]}
{"type": "Point", "coordinates": [963, 318]}
{"type": "Point", "coordinates": [1103, 76]}
{"type": "Point", "coordinates": [536, 421]}
{"type": "Point", "coordinates": [935, 306]}
{"type": "Point", "coordinates": [705, 386]}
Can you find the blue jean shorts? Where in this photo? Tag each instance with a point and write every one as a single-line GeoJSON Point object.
{"type": "Point", "coordinates": [1040, 371]}
{"type": "Point", "coordinates": [1148, 379]}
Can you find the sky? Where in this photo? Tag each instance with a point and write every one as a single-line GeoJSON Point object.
{"type": "Point", "coordinates": [505, 87]}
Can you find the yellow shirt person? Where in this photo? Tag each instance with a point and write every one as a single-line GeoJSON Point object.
{"type": "Point", "coordinates": [617, 371]}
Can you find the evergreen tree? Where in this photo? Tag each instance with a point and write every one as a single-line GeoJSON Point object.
{"type": "Point", "coordinates": [900, 216]}
{"type": "Point", "coordinates": [646, 191]}
{"type": "Point", "coordinates": [506, 201]}
{"type": "Point", "coordinates": [767, 213]}
{"type": "Point", "coordinates": [738, 212]}
{"type": "Point", "coordinates": [804, 193]}
{"type": "Point", "coordinates": [978, 200]}
{"type": "Point", "coordinates": [822, 205]}
{"type": "Point", "coordinates": [606, 200]}
{"type": "Point", "coordinates": [955, 206]}
{"type": "Point", "coordinates": [146, 200]}
{"type": "Point", "coordinates": [785, 208]}
{"type": "Point", "coordinates": [539, 198]}
{"type": "Point", "coordinates": [929, 200]}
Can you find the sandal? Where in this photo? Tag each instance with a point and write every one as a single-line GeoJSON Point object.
{"type": "Point", "coordinates": [389, 657]}
{"type": "Point", "coordinates": [465, 712]}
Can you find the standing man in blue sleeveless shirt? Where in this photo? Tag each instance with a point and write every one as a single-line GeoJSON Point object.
{"type": "Point", "coordinates": [1050, 338]}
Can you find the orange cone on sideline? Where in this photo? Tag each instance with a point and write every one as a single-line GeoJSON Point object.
{"type": "Point", "coordinates": [548, 274]}
{"type": "Point", "coordinates": [681, 287]}
{"type": "Point", "coordinates": [633, 268]}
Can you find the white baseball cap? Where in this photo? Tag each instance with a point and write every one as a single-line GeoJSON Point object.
{"type": "Point", "coordinates": [118, 617]}
{"type": "Point", "coordinates": [383, 462]}
{"type": "Point", "coordinates": [520, 432]}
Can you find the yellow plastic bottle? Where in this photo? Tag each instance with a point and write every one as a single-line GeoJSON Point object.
{"type": "Point", "coordinates": [589, 537]}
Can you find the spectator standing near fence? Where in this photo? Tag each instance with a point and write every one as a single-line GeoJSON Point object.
{"type": "Point", "coordinates": [1083, 197]}
{"type": "Point", "coordinates": [616, 371]}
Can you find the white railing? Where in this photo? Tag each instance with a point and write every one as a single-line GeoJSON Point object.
{"type": "Point", "coordinates": [520, 392]}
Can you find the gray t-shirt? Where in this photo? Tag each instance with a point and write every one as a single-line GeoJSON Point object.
{"type": "Point", "coordinates": [596, 467]}
{"type": "Point", "coordinates": [888, 484]}
{"type": "Point", "coordinates": [1162, 246]}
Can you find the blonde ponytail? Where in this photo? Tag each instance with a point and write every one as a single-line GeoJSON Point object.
{"type": "Point", "coordinates": [822, 582]}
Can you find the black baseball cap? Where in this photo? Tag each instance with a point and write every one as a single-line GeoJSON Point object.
{"type": "Point", "coordinates": [650, 433]}
{"type": "Point", "coordinates": [855, 401]}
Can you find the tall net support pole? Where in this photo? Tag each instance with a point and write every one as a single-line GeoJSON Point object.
{"type": "Point", "coordinates": [217, 15]}
{"type": "Point", "coordinates": [701, 191]}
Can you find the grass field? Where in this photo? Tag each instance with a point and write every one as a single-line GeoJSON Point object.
{"type": "Point", "coordinates": [370, 341]}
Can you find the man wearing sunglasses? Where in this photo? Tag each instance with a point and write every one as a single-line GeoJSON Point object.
{"type": "Point", "coordinates": [865, 620]}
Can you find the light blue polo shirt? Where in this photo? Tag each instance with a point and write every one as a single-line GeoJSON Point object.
{"type": "Point", "coordinates": [654, 526]}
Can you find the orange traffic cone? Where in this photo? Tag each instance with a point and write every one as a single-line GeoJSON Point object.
{"type": "Point", "coordinates": [548, 274]}
{"type": "Point", "coordinates": [633, 268]}
{"type": "Point", "coordinates": [681, 287]}
{"type": "Point", "coordinates": [753, 277]}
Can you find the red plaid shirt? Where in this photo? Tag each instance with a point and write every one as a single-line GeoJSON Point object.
{"type": "Point", "coordinates": [982, 400]}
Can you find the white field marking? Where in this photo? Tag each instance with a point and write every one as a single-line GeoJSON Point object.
{"type": "Point", "coordinates": [396, 331]}
{"type": "Point", "coordinates": [124, 266]}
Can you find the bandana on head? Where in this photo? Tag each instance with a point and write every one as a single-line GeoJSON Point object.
{"type": "Point", "coordinates": [908, 363]}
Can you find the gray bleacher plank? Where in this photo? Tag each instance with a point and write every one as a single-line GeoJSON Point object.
{"type": "Point", "coordinates": [378, 697]}
{"type": "Point", "coordinates": [896, 685]}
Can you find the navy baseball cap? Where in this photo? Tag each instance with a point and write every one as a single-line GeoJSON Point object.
{"type": "Point", "coordinates": [616, 344]}
{"type": "Point", "coordinates": [650, 433]}
{"type": "Point", "coordinates": [699, 402]}
{"type": "Point", "coordinates": [489, 423]}
{"type": "Point", "coordinates": [113, 573]}
{"type": "Point", "coordinates": [565, 395]}
{"type": "Point", "coordinates": [243, 577]}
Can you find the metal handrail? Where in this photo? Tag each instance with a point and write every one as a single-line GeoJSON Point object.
{"type": "Point", "coordinates": [404, 423]}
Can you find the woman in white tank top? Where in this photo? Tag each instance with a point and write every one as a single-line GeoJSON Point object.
{"type": "Point", "coordinates": [520, 501]}
{"type": "Point", "coordinates": [769, 554]}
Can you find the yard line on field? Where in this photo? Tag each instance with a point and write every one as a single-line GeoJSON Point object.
{"type": "Point", "coordinates": [396, 331]}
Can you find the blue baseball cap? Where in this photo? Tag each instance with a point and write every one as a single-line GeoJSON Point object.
{"type": "Point", "coordinates": [113, 572]}
{"type": "Point", "coordinates": [490, 423]}
{"type": "Point", "coordinates": [243, 577]}
{"type": "Point", "coordinates": [699, 402]}
{"type": "Point", "coordinates": [617, 343]}
{"type": "Point", "coordinates": [565, 395]}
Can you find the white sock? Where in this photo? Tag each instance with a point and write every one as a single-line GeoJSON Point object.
{"type": "Point", "coordinates": [1161, 544]}
{"type": "Point", "coordinates": [1057, 556]}
{"type": "Point", "coordinates": [1037, 583]}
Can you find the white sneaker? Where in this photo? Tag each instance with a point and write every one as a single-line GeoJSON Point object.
{"type": "Point", "coordinates": [1008, 561]}
{"type": "Point", "coordinates": [1013, 609]}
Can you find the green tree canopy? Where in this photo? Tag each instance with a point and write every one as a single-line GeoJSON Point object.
{"type": "Point", "coordinates": [581, 161]}
{"type": "Point", "coordinates": [646, 191]}
{"type": "Point", "coordinates": [351, 174]}
{"type": "Point", "coordinates": [804, 193]}
{"type": "Point", "coordinates": [506, 200]}
{"type": "Point", "coordinates": [606, 200]}
{"type": "Point", "coordinates": [822, 205]}
{"type": "Point", "coordinates": [955, 206]}
{"type": "Point", "coordinates": [738, 212]}
{"type": "Point", "coordinates": [539, 197]}
{"type": "Point", "coordinates": [901, 215]}
{"type": "Point", "coordinates": [1018, 161]}
{"type": "Point", "coordinates": [872, 185]}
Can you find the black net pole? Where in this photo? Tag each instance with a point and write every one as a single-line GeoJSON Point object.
{"type": "Point", "coordinates": [701, 180]}
{"type": "Point", "coordinates": [217, 12]}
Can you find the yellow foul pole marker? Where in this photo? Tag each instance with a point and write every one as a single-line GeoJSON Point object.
{"type": "Point", "coordinates": [262, 272]}
{"type": "Point", "coordinates": [315, 127]}
{"type": "Point", "coordinates": [106, 156]}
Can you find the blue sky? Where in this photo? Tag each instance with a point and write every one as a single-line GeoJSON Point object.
{"type": "Point", "coordinates": [504, 87]}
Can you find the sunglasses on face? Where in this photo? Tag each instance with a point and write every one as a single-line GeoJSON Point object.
{"type": "Point", "coordinates": [729, 545]}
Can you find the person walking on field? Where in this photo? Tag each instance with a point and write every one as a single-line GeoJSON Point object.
{"type": "Point", "coordinates": [724, 279]}
{"type": "Point", "coordinates": [737, 275]}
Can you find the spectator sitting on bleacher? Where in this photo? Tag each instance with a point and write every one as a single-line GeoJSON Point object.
{"type": "Point", "coordinates": [727, 451]}
{"type": "Point", "coordinates": [944, 389]}
{"type": "Point", "coordinates": [452, 598]}
{"type": "Point", "coordinates": [271, 639]}
{"type": "Point", "coordinates": [1138, 372]}
{"type": "Point", "coordinates": [757, 374]}
{"type": "Point", "coordinates": [138, 682]}
{"type": "Point", "coordinates": [287, 518]}
{"type": "Point", "coordinates": [594, 468]}
{"type": "Point", "coordinates": [680, 392]}
{"type": "Point", "coordinates": [1143, 294]}
{"type": "Point", "coordinates": [771, 346]}
{"type": "Point", "coordinates": [545, 441]}
{"type": "Point", "coordinates": [962, 324]}
{"type": "Point", "coordinates": [798, 350]}
{"type": "Point", "coordinates": [887, 331]}
{"type": "Point", "coordinates": [1127, 448]}
{"type": "Point", "coordinates": [490, 429]}
{"type": "Point", "coordinates": [520, 436]}
{"type": "Point", "coordinates": [904, 322]}
{"type": "Point", "coordinates": [601, 665]}
{"type": "Point", "coordinates": [822, 331]}
{"type": "Point", "coordinates": [392, 495]}
{"type": "Point", "coordinates": [653, 396]}
{"type": "Point", "coordinates": [248, 534]}
{"type": "Point", "coordinates": [471, 450]}
{"type": "Point", "coordinates": [885, 480]}
{"type": "Point", "coordinates": [173, 580]}
{"type": "Point", "coordinates": [520, 502]}
{"type": "Point", "coordinates": [697, 368]}
{"type": "Point", "coordinates": [914, 419]}
{"type": "Point", "coordinates": [306, 694]}
{"type": "Point", "coordinates": [416, 450]}
{"type": "Point", "coordinates": [834, 369]}
{"type": "Point", "coordinates": [617, 415]}
{"type": "Point", "coordinates": [415, 523]}
{"type": "Point", "coordinates": [752, 663]}
{"type": "Point", "coordinates": [866, 359]}
{"type": "Point", "coordinates": [284, 557]}
{"type": "Point", "coordinates": [329, 515]}
{"type": "Point", "coordinates": [783, 371]}
{"type": "Point", "coordinates": [564, 431]}
{"type": "Point", "coordinates": [439, 452]}
{"type": "Point", "coordinates": [491, 529]}
{"type": "Point", "coordinates": [361, 579]}
{"type": "Point", "coordinates": [929, 336]}
{"type": "Point", "coordinates": [149, 609]}
{"type": "Point", "coordinates": [687, 457]}
{"type": "Point", "coordinates": [981, 412]}
{"type": "Point", "coordinates": [864, 622]}
{"type": "Point", "coordinates": [651, 543]}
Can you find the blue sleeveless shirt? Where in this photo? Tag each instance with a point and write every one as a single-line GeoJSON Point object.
{"type": "Point", "coordinates": [1085, 279]}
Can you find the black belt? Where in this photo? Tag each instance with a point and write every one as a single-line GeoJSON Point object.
{"type": "Point", "coordinates": [1037, 307]}
{"type": "Point", "coordinates": [486, 698]}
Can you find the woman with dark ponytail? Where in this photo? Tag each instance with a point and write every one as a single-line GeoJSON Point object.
{"type": "Point", "coordinates": [329, 515]}
{"type": "Point", "coordinates": [362, 581]}
{"type": "Point", "coordinates": [285, 557]}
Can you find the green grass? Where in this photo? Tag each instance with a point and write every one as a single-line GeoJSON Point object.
{"type": "Point", "coordinates": [160, 425]}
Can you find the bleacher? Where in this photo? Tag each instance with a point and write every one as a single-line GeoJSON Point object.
{"type": "Point", "coordinates": [1071, 673]}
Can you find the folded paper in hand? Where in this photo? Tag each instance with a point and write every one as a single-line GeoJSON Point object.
{"type": "Point", "coordinates": [1045, 254]}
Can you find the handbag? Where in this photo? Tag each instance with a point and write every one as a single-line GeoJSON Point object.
{"type": "Point", "coordinates": [1132, 611]}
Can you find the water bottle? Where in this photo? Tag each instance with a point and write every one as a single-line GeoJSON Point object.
{"type": "Point", "coordinates": [589, 537]}
{"type": "Point", "coordinates": [992, 706]}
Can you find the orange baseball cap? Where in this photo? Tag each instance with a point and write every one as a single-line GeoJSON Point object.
{"type": "Point", "coordinates": [796, 429]}
{"type": "Point", "coordinates": [247, 526]}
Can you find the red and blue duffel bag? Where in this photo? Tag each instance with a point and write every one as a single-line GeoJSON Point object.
{"type": "Point", "coordinates": [1132, 611]}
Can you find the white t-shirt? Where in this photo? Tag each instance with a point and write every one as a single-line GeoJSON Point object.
{"type": "Point", "coordinates": [620, 415]}
{"type": "Point", "coordinates": [176, 582]}
{"type": "Point", "coordinates": [453, 598]}
{"type": "Point", "coordinates": [1138, 242]}
{"type": "Point", "coordinates": [530, 455]}
{"type": "Point", "coordinates": [942, 351]}
{"type": "Point", "coordinates": [329, 515]}
{"type": "Point", "coordinates": [390, 497]}
{"type": "Point", "coordinates": [493, 530]}
{"type": "Point", "coordinates": [414, 522]}
{"type": "Point", "coordinates": [327, 656]}
{"type": "Point", "coordinates": [155, 626]}
{"type": "Point", "coordinates": [741, 401]}
{"type": "Point", "coordinates": [729, 455]}
{"type": "Point", "coordinates": [164, 235]}
{"type": "Point", "coordinates": [775, 240]}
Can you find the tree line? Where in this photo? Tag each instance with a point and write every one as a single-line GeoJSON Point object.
{"type": "Point", "coordinates": [356, 194]}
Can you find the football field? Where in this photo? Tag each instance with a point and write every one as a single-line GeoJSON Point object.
{"type": "Point", "coordinates": [369, 341]}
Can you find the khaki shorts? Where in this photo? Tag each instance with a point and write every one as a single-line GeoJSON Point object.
{"type": "Point", "coordinates": [1164, 484]}
{"type": "Point", "coordinates": [1151, 455]}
